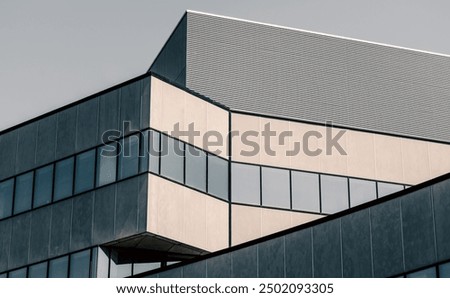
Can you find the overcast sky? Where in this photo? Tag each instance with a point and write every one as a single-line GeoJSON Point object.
{"type": "Point", "coordinates": [55, 52]}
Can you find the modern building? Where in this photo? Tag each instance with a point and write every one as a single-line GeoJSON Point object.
{"type": "Point", "coordinates": [246, 150]}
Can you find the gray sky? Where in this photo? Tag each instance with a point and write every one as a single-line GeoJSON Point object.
{"type": "Point", "coordinates": [54, 52]}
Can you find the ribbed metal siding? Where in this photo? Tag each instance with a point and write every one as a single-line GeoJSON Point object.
{"type": "Point", "coordinates": [289, 73]}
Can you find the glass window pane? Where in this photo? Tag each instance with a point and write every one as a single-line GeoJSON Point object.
{"type": "Point", "coordinates": [426, 273]}
{"type": "Point", "coordinates": [19, 273]}
{"type": "Point", "coordinates": [144, 151]}
{"type": "Point", "coordinates": [3, 275]}
{"type": "Point", "coordinates": [305, 191]}
{"type": "Point", "coordinates": [385, 189]}
{"type": "Point", "coordinates": [58, 267]}
{"type": "Point", "coordinates": [43, 186]}
{"type": "Point", "coordinates": [80, 264]}
{"type": "Point", "coordinates": [85, 171]}
{"type": "Point", "coordinates": [64, 179]}
{"type": "Point", "coordinates": [362, 191]}
{"type": "Point", "coordinates": [245, 184]}
{"type": "Point", "coordinates": [102, 262]}
{"type": "Point", "coordinates": [144, 267]}
{"type": "Point", "coordinates": [276, 188]}
{"type": "Point", "coordinates": [218, 176]}
{"type": "Point", "coordinates": [24, 193]}
{"type": "Point", "coordinates": [154, 151]}
{"type": "Point", "coordinates": [444, 270]}
{"type": "Point", "coordinates": [172, 158]}
{"type": "Point", "coordinates": [38, 270]}
{"type": "Point", "coordinates": [334, 193]}
{"type": "Point", "coordinates": [6, 198]}
{"type": "Point", "coordinates": [106, 164]}
{"type": "Point", "coordinates": [195, 168]}
{"type": "Point", "coordinates": [129, 157]}
{"type": "Point", "coordinates": [118, 270]}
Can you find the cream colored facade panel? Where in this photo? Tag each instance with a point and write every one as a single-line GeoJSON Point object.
{"type": "Point", "coordinates": [416, 163]}
{"type": "Point", "coordinates": [173, 108]}
{"type": "Point", "coordinates": [185, 215]}
{"type": "Point", "coordinates": [250, 223]}
{"type": "Point", "coordinates": [388, 158]}
{"type": "Point", "coordinates": [274, 149]}
{"type": "Point", "coordinates": [300, 160]}
{"type": "Point", "coordinates": [361, 154]}
{"type": "Point", "coordinates": [244, 126]}
{"type": "Point", "coordinates": [331, 160]}
{"type": "Point", "coordinates": [439, 157]}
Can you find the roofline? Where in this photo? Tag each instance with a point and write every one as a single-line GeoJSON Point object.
{"type": "Point", "coordinates": [319, 33]}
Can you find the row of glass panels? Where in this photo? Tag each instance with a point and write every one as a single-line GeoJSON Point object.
{"type": "Point", "coordinates": [76, 265]}
{"type": "Point", "coordinates": [109, 163]}
{"type": "Point", "coordinates": [178, 161]}
{"type": "Point", "coordinates": [303, 191]}
{"type": "Point", "coordinates": [441, 271]}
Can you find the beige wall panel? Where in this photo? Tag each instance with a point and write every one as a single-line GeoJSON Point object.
{"type": "Point", "coordinates": [416, 164]}
{"type": "Point", "coordinates": [171, 105]}
{"type": "Point", "coordinates": [250, 223]}
{"type": "Point", "coordinates": [242, 124]}
{"type": "Point", "coordinates": [334, 162]}
{"type": "Point", "coordinates": [439, 157]}
{"type": "Point", "coordinates": [279, 156]}
{"type": "Point", "coordinates": [179, 213]}
{"type": "Point", "coordinates": [216, 224]}
{"type": "Point", "coordinates": [245, 223]}
{"type": "Point", "coordinates": [388, 158]}
{"type": "Point", "coordinates": [300, 160]}
{"type": "Point", "coordinates": [361, 154]}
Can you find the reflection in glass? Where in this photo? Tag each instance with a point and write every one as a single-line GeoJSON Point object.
{"type": "Point", "coordinates": [154, 152]}
{"type": "Point", "coordinates": [19, 273]}
{"type": "Point", "coordinates": [6, 198]}
{"type": "Point", "coordinates": [38, 270]}
{"type": "Point", "coordinates": [63, 179]}
{"type": "Point", "coordinates": [276, 188]}
{"type": "Point", "coordinates": [106, 164]}
{"type": "Point", "coordinates": [129, 157]}
{"type": "Point", "coordinates": [118, 270]}
{"type": "Point", "coordinates": [85, 171]}
{"type": "Point", "coordinates": [362, 191]}
{"type": "Point", "coordinates": [43, 186]}
{"type": "Point", "coordinates": [426, 273]}
{"type": "Point", "coordinates": [334, 193]}
{"type": "Point", "coordinates": [102, 262]}
{"type": "Point", "coordinates": [305, 191]}
{"type": "Point", "coordinates": [172, 158]}
{"type": "Point", "coordinates": [144, 267]}
{"type": "Point", "coordinates": [195, 168]}
{"type": "Point", "coordinates": [218, 176]}
{"type": "Point", "coordinates": [58, 267]}
{"type": "Point", "coordinates": [144, 151]}
{"type": "Point", "coordinates": [385, 189]}
{"type": "Point", "coordinates": [245, 184]}
{"type": "Point", "coordinates": [24, 192]}
{"type": "Point", "coordinates": [80, 264]}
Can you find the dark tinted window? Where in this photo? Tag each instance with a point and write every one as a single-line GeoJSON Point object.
{"type": "Point", "coordinates": [24, 192]}
{"type": "Point", "coordinates": [305, 191]}
{"type": "Point", "coordinates": [80, 264]}
{"type": "Point", "coordinates": [43, 186]}
{"type": "Point", "coordinates": [245, 184]}
{"type": "Point", "coordinates": [19, 273]}
{"type": "Point", "coordinates": [85, 171]}
{"type": "Point", "coordinates": [38, 270]}
{"type": "Point", "coordinates": [106, 164]}
{"type": "Point", "coordinates": [426, 273]}
{"type": "Point", "coordinates": [129, 157]}
{"type": "Point", "coordinates": [154, 152]}
{"type": "Point", "coordinates": [58, 267]}
{"type": "Point", "coordinates": [63, 179]}
{"type": "Point", "coordinates": [6, 197]}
